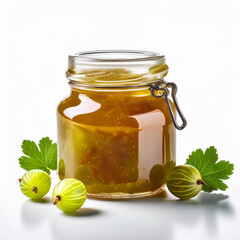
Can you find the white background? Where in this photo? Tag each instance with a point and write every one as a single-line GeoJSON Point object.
{"type": "Point", "coordinates": [201, 42]}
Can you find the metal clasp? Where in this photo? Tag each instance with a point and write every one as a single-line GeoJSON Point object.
{"type": "Point", "coordinates": [162, 90]}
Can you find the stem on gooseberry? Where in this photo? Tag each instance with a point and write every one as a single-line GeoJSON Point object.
{"type": "Point", "coordinates": [200, 182]}
{"type": "Point", "coordinates": [57, 199]}
{"type": "Point", "coordinates": [35, 189]}
{"type": "Point", "coordinates": [19, 179]}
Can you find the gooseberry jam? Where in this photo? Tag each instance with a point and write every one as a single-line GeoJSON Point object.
{"type": "Point", "coordinates": [113, 135]}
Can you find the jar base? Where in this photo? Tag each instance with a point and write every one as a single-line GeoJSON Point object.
{"type": "Point", "coordinates": [119, 195]}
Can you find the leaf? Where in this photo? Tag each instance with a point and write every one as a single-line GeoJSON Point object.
{"type": "Point", "coordinates": [48, 152]}
{"type": "Point", "coordinates": [31, 163]}
{"type": "Point", "coordinates": [44, 159]}
{"type": "Point", "coordinates": [212, 172]}
{"type": "Point", "coordinates": [44, 145]}
{"type": "Point", "coordinates": [30, 149]}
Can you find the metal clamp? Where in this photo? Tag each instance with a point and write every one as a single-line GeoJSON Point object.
{"type": "Point", "coordinates": [163, 91]}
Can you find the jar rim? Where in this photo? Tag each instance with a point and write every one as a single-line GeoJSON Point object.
{"type": "Point", "coordinates": [116, 68]}
{"type": "Point", "coordinates": [115, 56]}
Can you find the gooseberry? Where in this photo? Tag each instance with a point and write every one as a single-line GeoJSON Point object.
{"type": "Point", "coordinates": [35, 184]}
{"type": "Point", "coordinates": [157, 175]}
{"type": "Point", "coordinates": [69, 195]}
{"type": "Point", "coordinates": [184, 181]}
{"type": "Point", "coordinates": [61, 169]}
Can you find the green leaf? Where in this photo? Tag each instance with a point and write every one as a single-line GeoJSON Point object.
{"type": "Point", "coordinates": [44, 145]}
{"type": "Point", "coordinates": [29, 148]}
{"type": "Point", "coordinates": [212, 172]}
{"type": "Point", "coordinates": [48, 152]}
{"type": "Point", "coordinates": [31, 163]}
{"type": "Point", "coordinates": [44, 159]}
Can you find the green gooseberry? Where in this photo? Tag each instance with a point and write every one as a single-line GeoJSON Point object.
{"type": "Point", "coordinates": [184, 181]}
{"type": "Point", "coordinates": [35, 184]}
{"type": "Point", "coordinates": [69, 195]}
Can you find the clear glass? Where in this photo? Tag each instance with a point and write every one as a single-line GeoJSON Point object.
{"type": "Point", "coordinates": [113, 135]}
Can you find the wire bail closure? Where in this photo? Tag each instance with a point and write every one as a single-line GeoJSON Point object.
{"type": "Point", "coordinates": [163, 88]}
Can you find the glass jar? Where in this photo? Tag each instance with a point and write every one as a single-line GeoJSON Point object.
{"type": "Point", "coordinates": [116, 130]}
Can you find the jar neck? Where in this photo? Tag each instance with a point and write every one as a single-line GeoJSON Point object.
{"type": "Point", "coordinates": [107, 92]}
{"type": "Point", "coordinates": [75, 86]}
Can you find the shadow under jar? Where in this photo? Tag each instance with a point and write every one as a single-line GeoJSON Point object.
{"type": "Point", "coordinates": [116, 130]}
